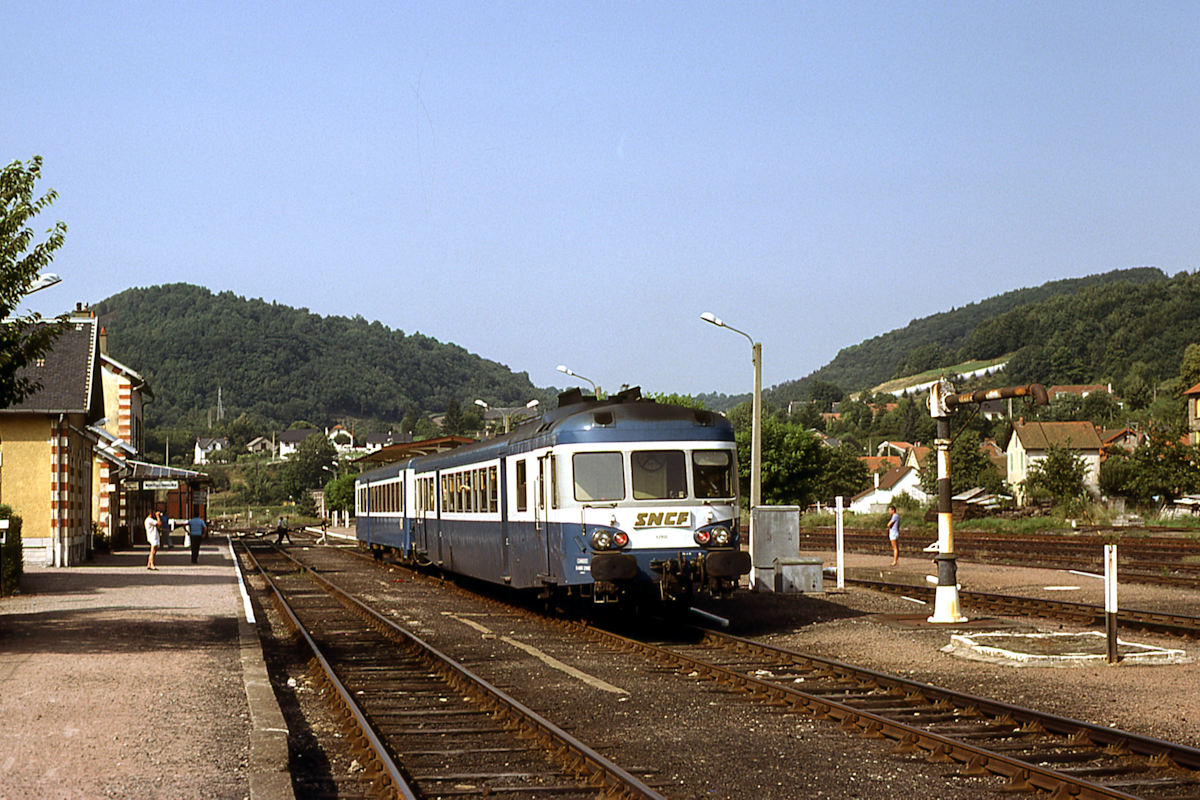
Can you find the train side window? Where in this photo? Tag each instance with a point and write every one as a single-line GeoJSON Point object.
{"type": "Point", "coordinates": [598, 476]}
{"type": "Point", "coordinates": [522, 486]}
{"type": "Point", "coordinates": [658, 474]}
{"type": "Point", "coordinates": [554, 481]}
{"type": "Point", "coordinates": [493, 491]}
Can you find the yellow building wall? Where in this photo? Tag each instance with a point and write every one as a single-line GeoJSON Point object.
{"type": "Point", "coordinates": [25, 484]}
{"type": "Point", "coordinates": [25, 480]}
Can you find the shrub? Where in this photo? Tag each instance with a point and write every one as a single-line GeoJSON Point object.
{"type": "Point", "coordinates": [13, 565]}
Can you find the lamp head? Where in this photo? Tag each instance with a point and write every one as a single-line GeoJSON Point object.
{"type": "Point", "coordinates": [532, 404]}
{"type": "Point", "coordinates": [481, 404]}
{"type": "Point", "coordinates": [563, 369]}
{"type": "Point", "coordinates": [708, 316]}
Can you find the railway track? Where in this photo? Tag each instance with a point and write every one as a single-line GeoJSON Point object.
{"type": "Point", "coordinates": [1080, 613]}
{"type": "Point", "coordinates": [427, 726]}
{"type": "Point", "coordinates": [1028, 750]}
{"type": "Point", "coordinates": [1157, 559]}
{"type": "Point", "coordinates": [1031, 750]}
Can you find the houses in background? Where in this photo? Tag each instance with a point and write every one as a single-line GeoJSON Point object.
{"type": "Point", "coordinates": [283, 444]}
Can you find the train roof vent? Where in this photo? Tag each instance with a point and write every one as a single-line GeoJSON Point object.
{"type": "Point", "coordinates": [570, 397]}
{"type": "Point", "coordinates": [603, 418]}
{"type": "Point", "coordinates": [704, 418]}
{"type": "Point", "coordinates": [628, 395]}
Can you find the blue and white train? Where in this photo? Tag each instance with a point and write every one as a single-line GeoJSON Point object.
{"type": "Point", "coordinates": [607, 499]}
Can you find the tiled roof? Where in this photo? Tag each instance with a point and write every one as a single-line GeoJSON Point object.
{"type": "Point", "coordinates": [875, 463]}
{"type": "Point", "coordinates": [67, 374]}
{"type": "Point", "coordinates": [297, 435]}
{"type": "Point", "coordinates": [1072, 435]}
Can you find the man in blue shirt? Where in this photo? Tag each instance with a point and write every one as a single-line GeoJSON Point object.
{"type": "Point", "coordinates": [196, 529]}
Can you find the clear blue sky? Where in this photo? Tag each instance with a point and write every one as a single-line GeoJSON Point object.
{"type": "Point", "coordinates": [547, 183]}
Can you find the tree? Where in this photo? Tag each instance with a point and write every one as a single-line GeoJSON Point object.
{"type": "Point", "coordinates": [791, 463]}
{"type": "Point", "coordinates": [308, 468]}
{"type": "Point", "coordinates": [452, 423]}
{"type": "Point", "coordinates": [1189, 370]}
{"type": "Point", "coordinates": [685, 400]}
{"type": "Point", "coordinates": [1158, 471]}
{"type": "Point", "coordinates": [1060, 474]}
{"type": "Point", "coordinates": [843, 473]}
{"type": "Point", "coordinates": [26, 338]}
{"type": "Point", "coordinates": [824, 394]}
{"type": "Point", "coordinates": [339, 493]}
{"type": "Point", "coordinates": [969, 467]}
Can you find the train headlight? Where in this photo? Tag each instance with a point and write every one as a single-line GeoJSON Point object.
{"type": "Point", "coordinates": [703, 536]}
{"type": "Point", "coordinates": [606, 539]}
{"type": "Point", "coordinates": [720, 536]}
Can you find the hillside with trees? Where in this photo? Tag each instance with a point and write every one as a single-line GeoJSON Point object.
{"type": "Point", "coordinates": [1049, 321]}
{"type": "Point", "coordinates": [274, 364]}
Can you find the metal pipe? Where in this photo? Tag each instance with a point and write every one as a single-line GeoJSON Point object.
{"type": "Point", "coordinates": [1033, 390]}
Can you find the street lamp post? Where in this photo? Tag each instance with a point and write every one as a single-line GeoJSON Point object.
{"type": "Point", "coordinates": [565, 371]}
{"type": "Point", "coordinates": [756, 423]}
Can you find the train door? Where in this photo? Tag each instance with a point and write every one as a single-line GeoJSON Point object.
{"type": "Point", "coordinates": [439, 500]}
{"type": "Point", "coordinates": [502, 489]}
{"type": "Point", "coordinates": [545, 502]}
{"type": "Point", "coordinates": [421, 514]}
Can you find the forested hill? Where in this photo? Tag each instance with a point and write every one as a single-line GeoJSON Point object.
{"type": "Point", "coordinates": [280, 364]}
{"type": "Point", "coordinates": [1061, 331]}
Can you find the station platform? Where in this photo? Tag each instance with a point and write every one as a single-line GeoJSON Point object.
{"type": "Point", "coordinates": [118, 681]}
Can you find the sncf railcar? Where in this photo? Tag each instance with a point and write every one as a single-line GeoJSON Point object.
{"type": "Point", "coordinates": [602, 498]}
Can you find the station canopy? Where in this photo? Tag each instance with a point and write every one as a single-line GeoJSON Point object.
{"type": "Point", "coordinates": [402, 451]}
{"type": "Point", "coordinates": [141, 470]}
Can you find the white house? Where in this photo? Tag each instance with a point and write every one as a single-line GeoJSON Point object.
{"type": "Point", "coordinates": [341, 439]}
{"type": "Point", "coordinates": [896, 481]}
{"type": "Point", "coordinates": [206, 447]}
{"type": "Point", "coordinates": [1030, 442]}
{"type": "Point", "coordinates": [290, 440]}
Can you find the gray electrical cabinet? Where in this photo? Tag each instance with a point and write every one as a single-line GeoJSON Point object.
{"type": "Point", "coordinates": [775, 562]}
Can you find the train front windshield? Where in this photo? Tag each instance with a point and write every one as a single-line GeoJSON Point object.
{"type": "Point", "coordinates": [654, 475]}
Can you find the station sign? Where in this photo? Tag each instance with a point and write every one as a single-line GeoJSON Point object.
{"type": "Point", "coordinates": [160, 484]}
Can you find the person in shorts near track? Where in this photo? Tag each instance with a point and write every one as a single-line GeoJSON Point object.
{"type": "Point", "coordinates": [893, 532]}
{"type": "Point", "coordinates": [152, 538]}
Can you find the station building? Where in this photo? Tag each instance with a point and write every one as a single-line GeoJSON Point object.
{"type": "Point", "coordinates": [46, 451]}
{"type": "Point", "coordinates": [71, 454]}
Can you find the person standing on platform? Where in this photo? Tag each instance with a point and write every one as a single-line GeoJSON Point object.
{"type": "Point", "coordinates": [151, 538]}
{"type": "Point", "coordinates": [324, 530]}
{"type": "Point", "coordinates": [196, 530]}
{"type": "Point", "coordinates": [164, 529]}
{"type": "Point", "coordinates": [893, 531]}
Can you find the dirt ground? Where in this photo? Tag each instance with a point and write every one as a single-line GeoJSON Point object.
{"type": "Point", "coordinates": [116, 681]}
